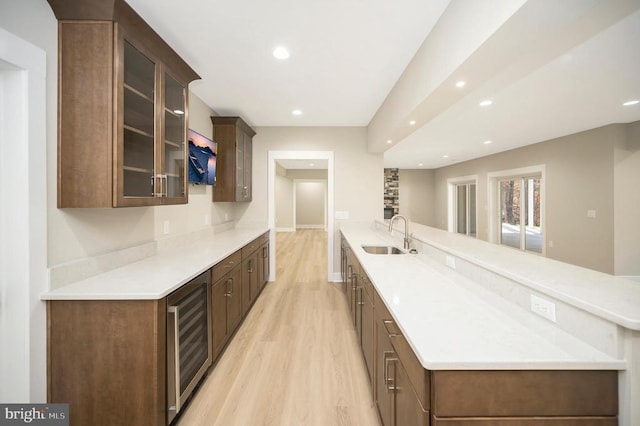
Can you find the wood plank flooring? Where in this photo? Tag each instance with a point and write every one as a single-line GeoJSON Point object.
{"type": "Point", "coordinates": [295, 359]}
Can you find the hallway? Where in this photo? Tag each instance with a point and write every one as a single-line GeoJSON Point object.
{"type": "Point", "coordinates": [295, 359]}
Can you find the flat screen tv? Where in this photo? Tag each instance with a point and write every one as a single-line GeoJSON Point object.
{"type": "Point", "coordinates": [202, 159]}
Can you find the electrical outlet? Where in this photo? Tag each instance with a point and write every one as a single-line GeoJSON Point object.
{"type": "Point", "coordinates": [544, 308]}
{"type": "Point", "coordinates": [591, 214]}
{"type": "Point", "coordinates": [550, 244]}
{"type": "Point", "coordinates": [226, 217]}
{"type": "Point", "coordinates": [451, 262]}
{"type": "Point", "coordinates": [207, 220]}
{"type": "Point", "coordinates": [165, 227]}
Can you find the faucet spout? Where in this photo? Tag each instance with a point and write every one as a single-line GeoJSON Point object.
{"type": "Point", "coordinates": [406, 229]}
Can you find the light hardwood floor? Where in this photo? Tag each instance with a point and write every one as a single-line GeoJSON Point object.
{"type": "Point", "coordinates": [295, 359]}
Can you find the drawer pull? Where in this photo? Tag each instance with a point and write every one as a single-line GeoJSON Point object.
{"type": "Point", "coordinates": [386, 323]}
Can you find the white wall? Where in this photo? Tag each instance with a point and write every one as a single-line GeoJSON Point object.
{"type": "Point", "coordinates": [23, 252]}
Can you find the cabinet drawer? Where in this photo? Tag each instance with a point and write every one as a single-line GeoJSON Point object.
{"type": "Point", "coordinates": [525, 393]}
{"type": "Point", "coordinates": [525, 421]}
{"type": "Point", "coordinates": [221, 268]}
{"type": "Point", "coordinates": [264, 238]}
{"type": "Point", "coordinates": [251, 247]}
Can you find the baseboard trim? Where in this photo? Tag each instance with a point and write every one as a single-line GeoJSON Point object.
{"type": "Point", "coordinates": [335, 277]}
{"type": "Point", "coordinates": [635, 278]}
{"type": "Point", "coordinates": [286, 229]}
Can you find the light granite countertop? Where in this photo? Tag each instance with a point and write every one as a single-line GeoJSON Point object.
{"type": "Point", "coordinates": [156, 276]}
{"type": "Point", "coordinates": [450, 327]}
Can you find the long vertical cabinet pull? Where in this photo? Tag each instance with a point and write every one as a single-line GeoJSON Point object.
{"type": "Point", "coordinates": [250, 266]}
{"type": "Point", "coordinates": [175, 312]}
{"type": "Point", "coordinates": [229, 292]}
{"type": "Point", "coordinates": [389, 380]}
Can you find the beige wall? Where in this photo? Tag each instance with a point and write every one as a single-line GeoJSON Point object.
{"type": "Point", "coordinates": [627, 203]}
{"type": "Point", "coordinates": [416, 195]}
{"type": "Point", "coordinates": [284, 200]}
{"type": "Point", "coordinates": [579, 177]}
{"type": "Point", "coordinates": [75, 234]}
{"type": "Point", "coordinates": [310, 203]}
{"type": "Point", "coordinates": [357, 173]}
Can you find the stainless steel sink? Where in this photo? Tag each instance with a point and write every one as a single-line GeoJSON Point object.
{"type": "Point", "coordinates": [382, 250]}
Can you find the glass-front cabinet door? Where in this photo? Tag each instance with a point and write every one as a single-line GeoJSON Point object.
{"type": "Point", "coordinates": [150, 166]}
{"type": "Point", "coordinates": [174, 137]}
{"type": "Point", "coordinates": [240, 184]}
{"type": "Point", "coordinates": [139, 129]}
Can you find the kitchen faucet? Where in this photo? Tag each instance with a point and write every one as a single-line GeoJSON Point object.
{"type": "Point", "coordinates": [406, 228]}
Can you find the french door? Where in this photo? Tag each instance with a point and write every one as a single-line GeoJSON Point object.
{"type": "Point", "coordinates": [520, 213]}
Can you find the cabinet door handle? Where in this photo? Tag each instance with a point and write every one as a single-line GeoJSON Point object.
{"type": "Point", "coordinates": [388, 380]}
{"type": "Point", "coordinates": [250, 266]}
{"type": "Point", "coordinates": [229, 264]}
{"type": "Point", "coordinates": [229, 293]}
{"type": "Point", "coordinates": [175, 312]}
{"type": "Point", "coordinates": [360, 302]}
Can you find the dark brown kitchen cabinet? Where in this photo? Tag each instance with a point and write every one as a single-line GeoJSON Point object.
{"type": "Point", "coordinates": [234, 159]}
{"type": "Point", "coordinates": [263, 262]}
{"type": "Point", "coordinates": [263, 265]}
{"type": "Point", "coordinates": [402, 385]}
{"type": "Point", "coordinates": [525, 397]}
{"type": "Point", "coordinates": [250, 286]}
{"type": "Point", "coordinates": [226, 300]}
{"type": "Point", "coordinates": [122, 121]}
{"type": "Point", "coordinates": [107, 360]}
{"type": "Point", "coordinates": [407, 394]}
{"type": "Point", "coordinates": [367, 331]}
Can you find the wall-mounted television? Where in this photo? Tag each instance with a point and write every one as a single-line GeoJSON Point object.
{"type": "Point", "coordinates": [202, 159]}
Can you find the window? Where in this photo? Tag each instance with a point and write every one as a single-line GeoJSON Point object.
{"type": "Point", "coordinates": [465, 209]}
{"type": "Point", "coordinates": [520, 213]}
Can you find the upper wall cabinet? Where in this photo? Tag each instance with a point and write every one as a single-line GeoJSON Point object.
{"type": "Point", "coordinates": [233, 164]}
{"type": "Point", "coordinates": [122, 109]}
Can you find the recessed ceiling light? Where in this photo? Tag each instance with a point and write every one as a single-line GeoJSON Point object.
{"type": "Point", "coordinates": [420, 164]}
{"type": "Point", "coordinates": [488, 142]}
{"type": "Point", "coordinates": [445, 156]}
{"type": "Point", "coordinates": [389, 141]}
{"type": "Point", "coordinates": [461, 83]}
{"type": "Point", "coordinates": [296, 112]}
{"type": "Point", "coordinates": [629, 103]}
{"type": "Point", "coordinates": [281, 52]}
{"type": "Point", "coordinates": [178, 111]}
{"type": "Point", "coordinates": [412, 122]}
{"type": "Point", "coordinates": [311, 164]}
{"type": "Point", "coordinates": [485, 103]}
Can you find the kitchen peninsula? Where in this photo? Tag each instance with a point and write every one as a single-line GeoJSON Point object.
{"type": "Point", "coordinates": [463, 307]}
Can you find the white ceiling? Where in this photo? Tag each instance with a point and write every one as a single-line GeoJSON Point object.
{"type": "Point", "coordinates": [346, 56]}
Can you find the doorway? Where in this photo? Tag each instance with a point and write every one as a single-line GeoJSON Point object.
{"type": "Point", "coordinates": [23, 220]}
{"type": "Point", "coordinates": [321, 159]}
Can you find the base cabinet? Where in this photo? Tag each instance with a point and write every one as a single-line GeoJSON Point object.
{"type": "Point", "coordinates": [107, 360]}
{"type": "Point", "coordinates": [226, 306]}
{"type": "Point", "coordinates": [406, 394]}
